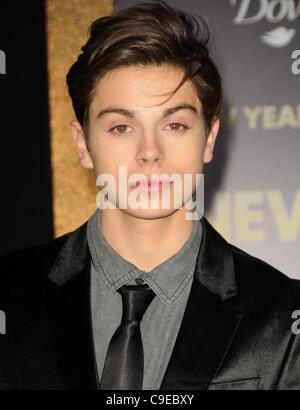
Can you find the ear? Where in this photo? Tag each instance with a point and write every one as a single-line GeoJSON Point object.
{"type": "Point", "coordinates": [80, 143]}
{"type": "Point", "coordinates": [210, 141]}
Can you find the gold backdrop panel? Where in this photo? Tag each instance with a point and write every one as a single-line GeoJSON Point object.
{"type": "Point", "coordinates": [74, 188]}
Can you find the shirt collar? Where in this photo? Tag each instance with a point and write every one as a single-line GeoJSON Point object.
{"type": "Point", "coordinates": [168, 279]}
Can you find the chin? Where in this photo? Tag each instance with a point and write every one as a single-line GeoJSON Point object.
{"type": "Point", "coordinates": [149, 213]}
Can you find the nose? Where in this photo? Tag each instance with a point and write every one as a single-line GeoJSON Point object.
{"type": "Point", "coordinates": [150, 151]}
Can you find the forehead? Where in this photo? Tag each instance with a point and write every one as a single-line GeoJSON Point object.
{"type": "Point", "coordinates": [142, 88]}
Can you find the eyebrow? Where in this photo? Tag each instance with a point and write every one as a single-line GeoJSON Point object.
{"type": "Point", "coordinates": [132, 113]}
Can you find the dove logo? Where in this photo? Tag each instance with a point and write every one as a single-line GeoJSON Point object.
{"type": "Point", "coordinates": [2, 62]}
{"type": "Point", "coordinates": [296, 63]}
{"type": "Point", "coordinates": [2, 323]}
{"type": "Point", "coordinates": [274, 11]}
{"type": "Point", "coordinates": [280, 37]}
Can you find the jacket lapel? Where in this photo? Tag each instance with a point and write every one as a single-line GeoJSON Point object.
{"type": "Point", "coordinates": [207, 329]}
{"type": "Point", "coordinates": [209, 322]}
{"type": "Point", "coordinates": [68, 314]}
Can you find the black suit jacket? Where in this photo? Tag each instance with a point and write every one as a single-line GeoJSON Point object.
{"type": "Point", "coordinates": [235, 333]}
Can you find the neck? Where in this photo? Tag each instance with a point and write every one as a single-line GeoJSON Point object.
{"type": "Point", "coordinates": [145, 242]}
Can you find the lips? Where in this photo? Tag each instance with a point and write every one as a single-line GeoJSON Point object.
{"type": "Point", "coordinates": [151, 181]}
{"type": "Point", "coordinates": [154, 185]}
{"type": "Point", "coordinates": [149, 185]}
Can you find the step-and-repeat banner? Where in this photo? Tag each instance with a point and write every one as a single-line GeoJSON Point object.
{"type": "Point", "coordinates": [253, 184]}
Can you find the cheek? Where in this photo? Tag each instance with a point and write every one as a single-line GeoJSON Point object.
{"type": "Point", "coordinates": [189, 156]}
{"type": "Point", "coordinates": [108, 162]}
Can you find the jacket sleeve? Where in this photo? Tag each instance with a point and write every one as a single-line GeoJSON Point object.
{"type": "Point", "coordinates": [289, 377]}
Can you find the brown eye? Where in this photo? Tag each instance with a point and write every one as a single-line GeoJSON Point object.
{"type": "Point", "coordinates": [176, 126]}
{"type": "Point", "coordinates": [120, 127]}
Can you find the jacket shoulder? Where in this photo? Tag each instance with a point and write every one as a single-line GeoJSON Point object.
{"type": "Point", "coordinates": [262, 281]}
{"type": "Point", "coordinates": [31, 262]}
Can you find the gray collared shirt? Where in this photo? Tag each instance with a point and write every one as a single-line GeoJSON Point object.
{"type": "Point", "coordinates": [171, 281]}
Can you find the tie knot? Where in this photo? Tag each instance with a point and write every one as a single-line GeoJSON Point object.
{"type": "Point", "coordinates": [135, 300]}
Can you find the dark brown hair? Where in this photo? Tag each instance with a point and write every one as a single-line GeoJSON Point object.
{"type": "Point", "coordinates": [147, 34]}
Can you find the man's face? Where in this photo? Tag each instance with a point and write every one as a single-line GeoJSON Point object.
{"type": "Point", "coordinates": [143, 135]}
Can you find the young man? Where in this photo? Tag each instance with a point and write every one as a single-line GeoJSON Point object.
{"type": "Point", "coordinates": [146, 298]}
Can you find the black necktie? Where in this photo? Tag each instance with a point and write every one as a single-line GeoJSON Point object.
{"type": "Point", "coordinates": [124, 363]}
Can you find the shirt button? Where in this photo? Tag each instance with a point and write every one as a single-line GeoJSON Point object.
{"type": "Point", "coordinates": [139, 281]}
